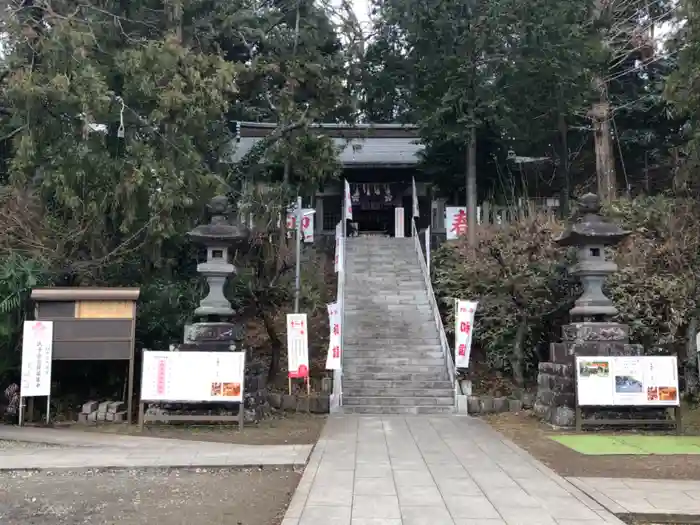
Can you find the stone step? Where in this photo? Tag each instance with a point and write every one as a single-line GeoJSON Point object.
{"type": "Point", "coordinates": [396, 375]}
{"type": "Point", "coordinates": [382, 409]}
{"type": "Point", "coordinates": [386, 342]}
{"type": "Point", "coordinates": [350, 361]}
{"type": "Point", "coordinates": [362, 367]}
{"type": "Point", "coordinates": [397, 392]}
{"type": "Point", "coordinates": [398, 384]}
{"type": "Point", "coordinates": [394, 333]}
{"type": "Point", "coordinates": [393, 353]}
{"type": "Point", "coordinates": [349, 400]}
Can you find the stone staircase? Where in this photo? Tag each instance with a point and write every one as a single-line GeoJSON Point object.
{"type": "Point", "coordinates": [392, 359]}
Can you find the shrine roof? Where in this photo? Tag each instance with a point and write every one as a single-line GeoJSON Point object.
{"type": "Point", "coordinates": [359, 145]}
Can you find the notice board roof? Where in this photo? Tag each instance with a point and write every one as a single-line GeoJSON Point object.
{"type": "Point", "coordinates": [85, 294]}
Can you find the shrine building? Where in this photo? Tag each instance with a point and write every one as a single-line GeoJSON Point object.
{"type": "Point", "coordinates": [379, 162]}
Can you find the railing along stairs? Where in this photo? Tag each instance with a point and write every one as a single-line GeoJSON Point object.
{"type": "Point", "coordinates": [444, 344]}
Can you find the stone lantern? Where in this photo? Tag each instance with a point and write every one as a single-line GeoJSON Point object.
{"type": "Point", "coordinates": [590, 234]}
{"type": "Point", "coordinates": [220, 238]}
{"type": "Point", "coordinates": [589, 333]}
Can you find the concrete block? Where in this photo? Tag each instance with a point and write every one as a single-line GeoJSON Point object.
{"type": "Point", "coordinates": [92, 416]}
{"type": "Point", "coordinates": [102, 407]}
{"type": "Point", "coordinates": [474, 404]}
{"type": "Point", "coordinates": [115, 406]}
{"type": "Point", "coordinates": [289, 402]}
{"type": "Point", "coordinates": [515, 405]}
{"type": "Point", "coordinates": [486, 404]}
{"type": "Point", "coordinates": [326, 385]}
{"type": "Point", "coordinates": [274, 399]}
{"type": "Point", "coordinates": [303, 404]}
{"type": "Point", "coordinates": [461, 405]}
{"type": "Point", "coordinates": [119, 417]}
{"type": "Point", "coordinates": [89, 407]}
{"type": "Point", "coordinates": [320, 404]}
{"type": "Point", "coordinates": [563, 417]}
{"type": "Point", "coordinates": [528, 399]}
{"type": "Point", "coordinates": [101, 416]}
{"type": "Point", "coordinates": [500, 404]}
{"type": "Point", "coordinates": [82, 418]}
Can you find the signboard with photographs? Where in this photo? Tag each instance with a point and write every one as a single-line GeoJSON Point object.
{"type": "Point", "coordinates": [193, 376]}
{"type": "Point", "coordinates": [627, 381]}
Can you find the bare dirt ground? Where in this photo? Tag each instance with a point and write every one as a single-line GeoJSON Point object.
{"type": "Point", "coordinates": [529, 433]}
{"type": "Point", "coordinates": [146, 497]}
{"type": "Point", "coordinates": [279, 429]}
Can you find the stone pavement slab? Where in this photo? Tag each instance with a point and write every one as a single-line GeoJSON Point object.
{"type": "Point", "coordinates": [431, 470]}
{"type": "Point", "coordinates": [654, 497]}
{"type": "Point", "coordinates": [83, 450]}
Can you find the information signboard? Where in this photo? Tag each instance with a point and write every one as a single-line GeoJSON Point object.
{"type": "Point", "coordinates": [627, 381]}
{"type": "Point", "coordinates": [297, 346]}
{"type": "Point", "coordinates": [192, 376]}
{"type": "Point", "coordinates": [37, 350]}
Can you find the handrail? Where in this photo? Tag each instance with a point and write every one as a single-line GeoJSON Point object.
{"type": "Point", "coordinates": [444, 344]}
{"type": "Point", "coordinates": [337, 393]}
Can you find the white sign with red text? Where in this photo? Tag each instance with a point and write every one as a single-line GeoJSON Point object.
{"type": "Point", "coordinates": [307, 224]}
{"type": "Point", "coordinates": [455, 222]}
{"type": "Point", "coordinates": [37, 353]}
{"type": "Point", "coordinates": [333, 359]}
{"type": "Point", "coordinates": [297, 346]}
{"type": "Point", "coordinates": [464, 328]}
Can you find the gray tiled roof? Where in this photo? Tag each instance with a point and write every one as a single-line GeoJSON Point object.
{"type": "Point", "coordinates": [358, 152]}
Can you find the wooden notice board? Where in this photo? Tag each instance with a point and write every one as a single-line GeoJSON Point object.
{"type": "Point", "coordinates": [91, 324]}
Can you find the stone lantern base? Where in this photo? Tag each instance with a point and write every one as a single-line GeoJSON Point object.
{"type": "Point", "coordinates": [556, 378]}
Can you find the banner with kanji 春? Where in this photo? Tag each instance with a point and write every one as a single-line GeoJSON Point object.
{"type": "Point", "coordinates": [339, 256]}
{"type": "Point", "coordinates": [347, 202]}
{"type": "Point", "coordinates": [455, 221]}
{"type": "Point", "coordinates": [333, 359]}
{"type": "Point", "coordinates": [464, 328]}
{"type": "Point", "coordinates": [307, 224]}
{"type": "Point", "coordinates": [297, 346]}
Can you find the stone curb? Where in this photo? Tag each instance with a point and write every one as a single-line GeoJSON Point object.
{"type": "Point", "coordinates": [300, 403]}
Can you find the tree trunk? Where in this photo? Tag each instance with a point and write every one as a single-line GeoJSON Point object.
{"type": "Point", "coordinates": [518, 359]}
{"type": "Point", "coordinates": [604, 157]}
{"type": "Point", "coordinates": [275, 344]}
{"type": "Point", "coordinates": [471, 184]}
{"type": "Point", "coordinates": [564, 171]}
{"type": "Point", "coordinates": [691, 371]}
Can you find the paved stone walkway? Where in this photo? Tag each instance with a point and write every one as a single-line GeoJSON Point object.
{"type": "Point", "coordinates": [643, 496]}
{"type": "Point", "coordinates": [431, 470]}
{"type": "Point", "coordinates": [85, 450]}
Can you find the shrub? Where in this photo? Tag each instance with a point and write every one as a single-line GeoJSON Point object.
{"type": "Point", "coordinates": [520, 278]}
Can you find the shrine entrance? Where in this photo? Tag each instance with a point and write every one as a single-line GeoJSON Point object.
{"type": "Point", "coordinates": [373, 206]}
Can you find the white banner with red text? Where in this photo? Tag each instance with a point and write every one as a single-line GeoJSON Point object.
{"type": "Point", "coordinates": [464, 328]}
{"type": "Point", "coordinates": [347, 202]}
{"type": "Point", "coordinates": [307, 224]}
{"type": "Point", "coordinates": [333, 359]}
{"type": "Point", "coordinates": [339, 255]}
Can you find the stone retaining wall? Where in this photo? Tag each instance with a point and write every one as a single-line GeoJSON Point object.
{"type": "Point", "coordinates": [556, 395]}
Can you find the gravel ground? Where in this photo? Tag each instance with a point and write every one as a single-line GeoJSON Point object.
{"type": "Point", "coordinates": [23, 445]}
{"type": "Point", "coordinates": [146, 497]}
